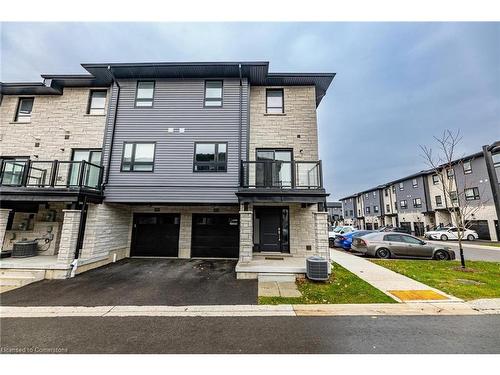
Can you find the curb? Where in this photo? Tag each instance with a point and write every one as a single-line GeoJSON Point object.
{"type": "Point", "coordinates": [381, 309]}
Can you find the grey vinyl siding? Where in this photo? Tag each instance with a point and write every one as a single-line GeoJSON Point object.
{"type": "Point", "coordinates": [409, 193]}
{"type": "Point", "coordinates": [477, 178]}
{"type": "Point", "coordinates": [347, 205]}
{"type": "Point", "coordinates": [372, 201]}
{"type": "Point", "coordinates": [177, 104]}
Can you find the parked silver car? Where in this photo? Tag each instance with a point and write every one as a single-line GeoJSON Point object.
{"type": "Point", "coordinates": [399, 245]}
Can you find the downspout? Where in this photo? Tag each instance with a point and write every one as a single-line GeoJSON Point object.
{"type": "Point", "coordinates": [81, 234]}
{"type": "Point", "coordinates": [106, 179]}
{"type": "Point", "coordinates": [240, 129]}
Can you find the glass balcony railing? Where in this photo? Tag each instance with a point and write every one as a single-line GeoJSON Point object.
{"type": "Point", "coordinates": [281, 174]}
{"type": "Point", "coordinates": [51, 174]}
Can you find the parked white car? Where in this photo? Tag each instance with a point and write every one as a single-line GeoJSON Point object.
{"type": "Point", "coordinates": [450, 233]}
{"type": "Point", "coordinates": [337, 231]}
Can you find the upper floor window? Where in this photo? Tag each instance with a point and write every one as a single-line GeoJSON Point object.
{"type": "Point", "coordinates": [414, 183]}
{"type": "Point", "coordinates": [403, 204]}
{"type": "Point", "coordinates": [144, 94]}
{"type": "Point", "coordinates": [471, 194]}
{"type": "Point", "coordinates": [366, 196]}
{"type": "Point", "coordinates": [351, 212]}
{"type": "Point", "coordinates": [274, 101]}
{"type": "Point", "coordinates": [97, 102]}
{"type": "Point", "coordinates": [453, 197]}
{"type": "Point", "coordinates": [375, 209]}
{"type": "Point", "coordinates": [467, 167]}
{"type": "Point", "coordinates": [401, 186]}
{"type": "Point", "coordinates": [450, 173]}
{"type": "Point", "coordinates": [439, 201]}
{"type": "Point", "coordinates": [393, 189]}
{"type": "Point", "coordinates": [435, 179]}
{"type": "Point", "coordinates": [367, 210]}
{"type": "Point", "coordinates": [417, 202]}
{"type": "Point", "coordinates": [210, 157]}
{"type": "Point", "coordinates": [386, 192]}
{"type": "Point", "coordinates": [24, 108]}
{"type": "Point", "coordinates": [346, 213]}
{"type": "Point", "coordinates": [374, 194]}
{"type": "Point", "coordinates": [388, 207]}
{"type": "Point", "coordinates": [213, 93]}
{"type": "Point", "coordinates": [138, 157]}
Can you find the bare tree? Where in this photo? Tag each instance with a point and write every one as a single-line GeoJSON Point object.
{"type": "Point", "coordinates": [457, 198]}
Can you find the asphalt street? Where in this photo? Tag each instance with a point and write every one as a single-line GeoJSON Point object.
{"type": "Point", "coordinates": [266, 335]}
{"type": "Point", "coordinates": [474, 253]}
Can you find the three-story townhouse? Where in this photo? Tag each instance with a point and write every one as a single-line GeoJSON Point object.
{"type": "Point", "coordinates": [210, 160]}
{"type": "Point", "coordinates": [389, 204]}
{"type": "Point", "coordinates": [349, 210]}
{"type": "Point", "coordinates": [372, 201]}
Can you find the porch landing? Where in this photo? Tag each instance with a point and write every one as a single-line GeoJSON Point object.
{"type": "Point", "coordinates": [272, 268]}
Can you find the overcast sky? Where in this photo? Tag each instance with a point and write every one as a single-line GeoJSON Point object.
{"type": "Point", "coordinates": [397, 84]}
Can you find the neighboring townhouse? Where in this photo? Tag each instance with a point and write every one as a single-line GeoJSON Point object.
{"type": "Point", "coordinates": [205, 160]}
{"type": "Point", "coordinates": [372, 202]}
{"type": "Point", "coordinates": [334, 210]}
{"type": "Point", "coordinates": [51, 137]}
{"type": "Point", "coordinates": [418, 201]}
{"type": "Point", "coordinates": [349, 209]}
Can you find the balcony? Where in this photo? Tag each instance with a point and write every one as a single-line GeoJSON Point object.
{"type": "Point", "coordinates": [53, 180]}
{"type": "Point", "coordinates": [291, 181]}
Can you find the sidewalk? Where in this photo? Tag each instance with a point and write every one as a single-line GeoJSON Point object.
{"type": "Point", "coordinates": [395, 285]}
{"type": "Point", "coordinates": [466, 244]}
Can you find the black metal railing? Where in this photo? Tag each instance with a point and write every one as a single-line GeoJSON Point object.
{"type": "Point", "coordinates": [51, 174]}
{"type": "Point", "coordinates": [281, 174]}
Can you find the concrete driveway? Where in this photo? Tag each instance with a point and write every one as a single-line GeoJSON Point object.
{"type": "Point", "coordinates": [140, 282]}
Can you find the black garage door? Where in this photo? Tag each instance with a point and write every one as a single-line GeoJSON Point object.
{"type": "Point", "coordinates": [215, 236]}
{"type": "Point", "coordinates": [481, 227]}
{"type": "Point", "coordinates": [155, 235]}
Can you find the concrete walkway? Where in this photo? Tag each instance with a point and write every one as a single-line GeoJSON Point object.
{"type": "Point", "coordinates": [395, 285]}
{"type": "Point", "coordinates": [466, 244]}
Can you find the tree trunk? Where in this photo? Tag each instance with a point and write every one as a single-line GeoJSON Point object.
{"type": "Point", "coordinates": [461, 249]}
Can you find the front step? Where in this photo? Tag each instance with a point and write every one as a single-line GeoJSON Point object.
{"type": "Point", "coordinates": [17, 278]}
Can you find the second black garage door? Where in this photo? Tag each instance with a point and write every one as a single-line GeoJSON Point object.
{"type": "Point", "coordinates": [155, 235]}
{"type": "Point", "coordinates": [215, 236]}
{"type": "Point", "coordinates": [481, 227]}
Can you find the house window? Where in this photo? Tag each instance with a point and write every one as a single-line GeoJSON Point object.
{"type": "Point", "coordinates": [375, 209]}
{"type": "Point", "coordinates": [210, 157]}
{"type": "Point", "coordinates": [97, 102]}
{"type": "Point", "coordinates": [439, 200]}
{"type": "Point", "coordinates": [386, 192]}
{"type": "Point", "coordinates": [453, 196]}
{"type": "Point", "coordinates": [138, 157]}
{"type": "Point", "coordinates": [213, 93]}
{"type": "Point", "coordinates": [374, 194]}
{"type": "Point", "coordinates": [366, 196]}
{"type": "Point", "coordinates": [395, 206]}
{"type": "Point", "coordinates": [435, 179]}
{"type": "Point", "coordinates": [144, 94]}
{"type": "Point", "coordinates": [414, 183]}
{"type": "Point", "coordinates": [393, 189]}
{"type": "Point", "coordinates": [449, 173]}
{"type": "Point", "coordinates": [346, 214]}
{"type": "Point", "coordinates": [403, 204]}
{"type": "Point", "coordinates": [417, 202]}
{"type": "Point", "coordinates": [388, 207]}
{"type": "Point", "coordinates": [274, 101]}
{"type": "Point", "coordinates": [351, 212]}
{"type": "Point", "coordinates": [467, 167]}
{"type": "Point", "coordinates": [367, 210]}
{"type": "Point", "coordinates": [471, 194]}
{"type": "Point", "coordinates": [401, 186]}
{"type": "Point", "coordinates": [24, 108]}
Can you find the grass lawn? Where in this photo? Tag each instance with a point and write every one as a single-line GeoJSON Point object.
{"type": "Point", "coordinates": [343, 287]}
{"type": "Point", "coordinates": [479, 280]}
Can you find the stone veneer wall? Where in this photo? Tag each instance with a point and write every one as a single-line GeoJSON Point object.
{"type": "Point", "coordinates": [53, 117]}
{"type": "Point", "coordinates": [283, 130]}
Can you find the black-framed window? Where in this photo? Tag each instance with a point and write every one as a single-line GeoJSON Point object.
{"type": "Point", "coordinates": [274, 101]}
{"type": "Point", "coordinates": [210, 157]}
{"type": "Point", "coordinates": [417, 202]}
{"type": "Point", "coordinates": [386, 192]}
{"type": "Point", "coordinates": [401, 186]}
{"type": "Point", "coordinates": [414, 183]}
{"type": "Point", "coordinates": [467, 167]}
{"type": "Point", "coordinates": [144, 94]}
{"type": "Point", "coordinates": [450, 173]}
{"type": "Point", "coordinates": [138, 157]}
{"type": "Point", "coordinates": [403, 204]}
{"type": "Point", "coordinates": [346, 213]}
{"type": "Point", "coordinates": [374, 194]}
{"type": "Point", "coordinates": [471, 194]}
{"type": "Point", "coordinates": [367, 210]}
{"type": "Point", "coordinates": [388, 207]}
{"type": "Point", "coordinates": [213, 93]}
{"type": "Point", "coordinates": [393, 189]}
{"type": "Point", "coordinates": [351, 212]}
{"type": "Point", "coordinates": [375, 209]}
{"type": "Point", "coordinates": [435, 179]}
{"type": "Point", "coordinates": [395, 206]}
{"type": "Point", "coordinates": [454, 196]}
{"type": "Point", "coordinates": [97, 102]}
{"type": "Point", "coordinates": [439, 200]}
{"type": "Point", "coordinates": [24, 109]}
